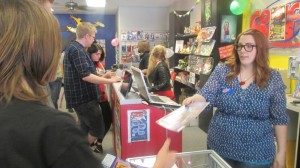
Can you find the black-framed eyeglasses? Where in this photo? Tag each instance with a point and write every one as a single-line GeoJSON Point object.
{"type": "Point", "coordinates": [247, 47]}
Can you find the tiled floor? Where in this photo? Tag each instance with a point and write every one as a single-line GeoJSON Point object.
{"type": "Point", "coordinates": [193, 138]}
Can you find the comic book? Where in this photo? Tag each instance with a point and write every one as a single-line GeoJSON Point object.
{"type": "Point", "coordinates": [179, 118]}
{"type": "Point", "coordinates": [206, 48]}
{"type": "Point", "coordinates": [207, 33]}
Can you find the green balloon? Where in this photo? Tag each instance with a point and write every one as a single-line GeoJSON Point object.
{"type": "Point", "coordinates": [243, 4]}
{"type": "Point", "coordinates": [238, 7]}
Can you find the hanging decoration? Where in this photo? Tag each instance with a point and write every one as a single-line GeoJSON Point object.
{"type": "Point", "coordinates": [188, 12]}
{"type": "Point", "coordinates": [115, 42]}
{"type": "Point", "coordinates": [78, 22]}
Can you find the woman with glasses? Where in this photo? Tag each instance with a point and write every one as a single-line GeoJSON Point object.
{"type": "Point", "coordinates": [251, 106]}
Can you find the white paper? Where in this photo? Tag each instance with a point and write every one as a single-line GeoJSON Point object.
{"type": "Point", "coordinates": [178, 45]}
{"type": "Point", "coordinates": [179, 118]}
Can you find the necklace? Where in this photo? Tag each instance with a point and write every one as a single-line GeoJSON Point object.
{"type": "Point", "coordinates": [242, 82]}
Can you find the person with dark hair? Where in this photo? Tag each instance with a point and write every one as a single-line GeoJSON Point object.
{"type": "Point", "coordinates": [251, 106]}
{"type": "Point", "coordinates": [97, 55]}
{"type": "Point", "coordinates": [143, 50]}
{"type": "Point", "coordinates": [32, 133]}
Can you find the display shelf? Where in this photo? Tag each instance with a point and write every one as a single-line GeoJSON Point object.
{"type": "Point", "coordinates": [200, 159]}
{"type": "Point", "coordinates": [129, 41]}
{"type": "Point", "coordinates": [185, 36]}
{"type": "Point", "coordinates": [177, 69]}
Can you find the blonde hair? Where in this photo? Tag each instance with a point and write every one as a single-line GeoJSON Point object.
{"type": "Point", "coordinates": [85, 28]}
{"type": "Point", "coordinates": [43, 1]}
{"type": "Point", "coordinates": [157, 53]}
{"type": "Point", "coordinates": [143, 46]}
{"type": "Point", "coordinates": [30, 43]}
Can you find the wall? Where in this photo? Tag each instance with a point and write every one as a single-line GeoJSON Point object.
{"type": "Point", "coordinates": [107, 32]}
{"type": "Point", "coordinates": [148, 19]}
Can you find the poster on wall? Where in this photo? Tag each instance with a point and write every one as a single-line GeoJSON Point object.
{"type": "Point", "coordinates": [277, 23]}
{"type": "Point", "coordinates": [207, 13]}
{"type": "Point", "coordinates": [261, 19]}
{"type": "Point", "coordinates": [226, 51]}
{"type": "Point", "coordinates": [102, 44]}
{"type": "Point", "coordinates": [228, 28]}
{"type": "Point", "coordinates": [138, 125]}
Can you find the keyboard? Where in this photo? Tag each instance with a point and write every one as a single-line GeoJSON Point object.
{"type": "Point", "coordinates": [156, 99]}
{"type": "Point", "coordinates": [135, 88]}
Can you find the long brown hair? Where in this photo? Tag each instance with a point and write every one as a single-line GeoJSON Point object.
{"type": "Point", "coordinates": [261, 62]}
{"type": "Point", "coordinates": [30, 43]}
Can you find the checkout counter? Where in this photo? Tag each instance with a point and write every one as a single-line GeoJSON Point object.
{"type": "Point", "coordinates": [135, 131]}
{"type": "Point", "coordinates": [293, 148]}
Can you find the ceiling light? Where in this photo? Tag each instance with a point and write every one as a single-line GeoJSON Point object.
{"type": "Point", "coordinates": [96, 3]}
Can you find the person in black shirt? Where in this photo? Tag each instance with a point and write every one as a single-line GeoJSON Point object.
{"type": "Point", "coordinates": [158, 73]}
{"type": "Point", "coordinates": [144, 49]}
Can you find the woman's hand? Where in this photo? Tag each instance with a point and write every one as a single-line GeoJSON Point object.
{"type": "Point", "coordinates": [188, 100]}
{"type": "Point", "coordinates": [279, 160]}
{"type": "Point", "coordinates": [196, 97]}
{"type": "Point", "coordinates": [165, 158]}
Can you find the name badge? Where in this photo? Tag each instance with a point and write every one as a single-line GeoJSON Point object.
{"type": "Point", "coordinates": [228, 91]}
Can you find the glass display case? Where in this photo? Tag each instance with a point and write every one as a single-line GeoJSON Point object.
{"type": "Point", "coordinates": [195, 159]}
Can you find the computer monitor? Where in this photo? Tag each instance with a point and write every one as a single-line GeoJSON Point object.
{"type": "Point", "coordinates": [126, 83]}
{"type": "Point", "coordinates": [140, 82]}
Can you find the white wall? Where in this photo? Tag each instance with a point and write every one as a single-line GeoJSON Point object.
{"type": "Point", "coordinates": [147, 19]}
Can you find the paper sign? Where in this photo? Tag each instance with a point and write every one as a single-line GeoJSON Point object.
{"type": "Point", "coordinates": [226, 51]}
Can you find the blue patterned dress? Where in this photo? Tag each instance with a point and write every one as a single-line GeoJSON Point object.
{"type": "Point", "coordinates": [242, 127]}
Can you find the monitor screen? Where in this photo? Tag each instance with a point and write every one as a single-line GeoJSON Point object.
{"type": "Point", "coordinates": [140, 82]}
{"type": "Point", "coordinates": [126, 83]}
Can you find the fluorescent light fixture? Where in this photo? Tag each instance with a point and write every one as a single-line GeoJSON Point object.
{"type": "Point", "coordinates": [96, 3]}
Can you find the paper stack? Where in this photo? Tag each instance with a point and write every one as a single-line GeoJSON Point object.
{"type": "Point", "coordinates": [179, 118]}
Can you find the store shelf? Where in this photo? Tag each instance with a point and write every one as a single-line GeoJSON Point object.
{"type": "Point", "coordinates": [184, 84]}
{"type": "Point", "coordinates": [185, 36]}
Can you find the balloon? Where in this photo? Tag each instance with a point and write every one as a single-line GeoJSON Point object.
{"type": "Point", "coordinates": [115, 42]}
{"type": "Point", "coordinates": [238, 7]}
{"type": "Point", "coordinates": [169, 52]}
